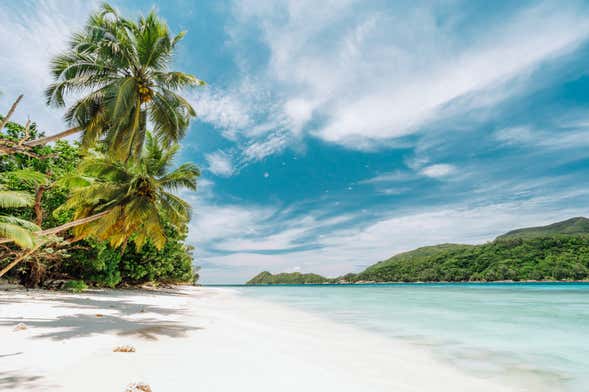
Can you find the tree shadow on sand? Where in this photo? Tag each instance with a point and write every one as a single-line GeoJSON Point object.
{"type": "Point", "coordinates": [124, 318]}
{"type": "Point", "coordinates": [81, 325]}
{"type": "Point", "coordinates": [122, 307]}
{"type": "Point", "coordinates": [12, 380]}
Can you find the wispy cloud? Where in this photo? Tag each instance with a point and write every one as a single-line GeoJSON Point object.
{"type": "Point", "coordinates": [573, 136]}
{"type": "Point", "coordinates": [224, 110]}
{"type": "Point", "coordinates": [438, 170]}
{"type": "Point", "coordinates": [359, 77]}
{"type": "Point", "coordinates": [219, 163]}
{"type": "Point", "coordinates": [394, 176]}
{"type": "Point", "coordinates": [32, 33]}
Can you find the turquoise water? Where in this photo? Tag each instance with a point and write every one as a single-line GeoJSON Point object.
{"type": "Point", "coordinates": [533, 336]}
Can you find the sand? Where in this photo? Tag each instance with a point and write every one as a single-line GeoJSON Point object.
{"type": "Point", "coordinates": [202, 339]}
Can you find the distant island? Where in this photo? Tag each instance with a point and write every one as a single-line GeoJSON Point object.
{"type": "Point", "coordinates": [559, 251]}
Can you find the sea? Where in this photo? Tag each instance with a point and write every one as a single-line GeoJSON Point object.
{"type": "Point", "coordinates": [533, 336]}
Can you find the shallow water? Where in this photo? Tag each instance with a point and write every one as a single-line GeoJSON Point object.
{"type": "Point", "coordinates": [531, 335]}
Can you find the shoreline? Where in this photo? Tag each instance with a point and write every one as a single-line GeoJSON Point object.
{"type": "Point", "coordinates": [369, 283]}
{"type": "Point", "coordinates": [206, 338]}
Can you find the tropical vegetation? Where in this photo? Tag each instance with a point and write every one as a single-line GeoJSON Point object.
{"type": "Point", "coordinates": [104, 210]}
{"type": "Point", "coordinates": [288, 278]}
{"type": "Point", "coordinates": [120, 67]}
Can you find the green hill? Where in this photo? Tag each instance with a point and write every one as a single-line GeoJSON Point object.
{"type": "Point", "coordinates": [556, 257]}
{"type": "Point", "coordinates": [288, 278]}
{"type": "Point", "coordinates": [417, 254]}
{"type": "Point", "coordinates": [559, 251]}
{"type": "Point", "coordinates": [578, 225]}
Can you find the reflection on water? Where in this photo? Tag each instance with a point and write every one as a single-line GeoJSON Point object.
{"type": "Point", "coordinates": [535, 336]}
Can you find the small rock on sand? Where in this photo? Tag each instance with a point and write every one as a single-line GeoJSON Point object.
{"type": "Point", "coordinates": [138, 387]}
{"type": "Point", "coordinates": [124, 349]}
{"type": "Point", "coordinates": [20, 327]}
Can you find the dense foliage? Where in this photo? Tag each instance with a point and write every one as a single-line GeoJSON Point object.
{"type": "Point", "coordinates": [105, 210]}
{"type": "Point", "coordinates": [133, 199]}
{"type": "Point", "coordinates": [90, 260]}
{"type": "Point", "coordinates": [557, 257]}
{"type": "Point", "coordinates": [288, 278]}
{"type": "Point", "coordinates": [578, 225]}
{"type": "Point", "coordinates": [52, 162]}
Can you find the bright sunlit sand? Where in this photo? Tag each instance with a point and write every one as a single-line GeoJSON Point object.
{"type": "Point", "coordinates": [201, 339]}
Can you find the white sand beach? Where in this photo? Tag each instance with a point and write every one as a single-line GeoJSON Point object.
{"type": "Point", "coordinates": [201, 339]}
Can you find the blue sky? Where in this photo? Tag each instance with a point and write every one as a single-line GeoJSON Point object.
{"type": "Point", "coordinates": [334, 134]}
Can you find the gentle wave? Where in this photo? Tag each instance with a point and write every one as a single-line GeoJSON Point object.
{"type": "Point", "coordinates": [531, 335]}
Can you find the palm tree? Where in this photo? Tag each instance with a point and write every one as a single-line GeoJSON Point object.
{"type": "Point", "coordinates": [120, 67]}
{"type": "Point", "coordinates": [132, 200]}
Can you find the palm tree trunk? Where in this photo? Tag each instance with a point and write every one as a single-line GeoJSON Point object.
{"type": "Point", "coordinates": [38, 207]}
{"type": "Point", "coordinates": [69, 225]}
{"type": "Point", "coordinates": [57, 136]}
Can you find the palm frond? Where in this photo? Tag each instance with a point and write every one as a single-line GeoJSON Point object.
{"type": "Point", "coordinates": [177, 210]}
{"type": "Point", "coordinates": [13, 220]}
{"type": "Point", "coordinates": [19, 235]}
{"type": "Point", "coordinates": [176, 80]}
{"type": "Point", "coordinates": [183, 177]}
{"type": "Point", "coordinates": [16, 199]}
{"type": "Point", "coordinates": [27, 176]}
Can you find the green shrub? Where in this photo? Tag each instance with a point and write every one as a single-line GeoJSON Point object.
{"type": "Point", "coordinates": [75, 286]}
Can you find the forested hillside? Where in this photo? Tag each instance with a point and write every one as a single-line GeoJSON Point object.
{"type": "Point", "coordinates": [559, 251]}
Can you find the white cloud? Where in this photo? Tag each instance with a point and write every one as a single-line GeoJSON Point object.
{"type": "Point", "coordinates": [246, 116]}
{"type": "Point", "coordinates": [299, 111]}
{"type": "Point", "coordinates": [224, 110]}
{"type": "Point", "coordinates": [394, 176]}
{"type": "Point", "coordinates": [372, 75]}
{"type": "Point", "coordinates": [561, 137]}
{"type": "Point", "coordinates": [438, 170]}
{"type": "Point", "coordinates": [515, 135]}
{"type": "Point", "coordinates": [32, 33]}
{"type": "Point", "coordinates": [212, 224]}
{"type": "Point", "coordinates": [220, 164]}
{"type": "Point", "coordinates": [283, 240]}
{"type": "Point", "coordinates": [260, 149]}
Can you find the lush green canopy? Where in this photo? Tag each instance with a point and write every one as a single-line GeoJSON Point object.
{"type": "Point", "coordinates": [118, 185]}
{"type": "Point", "coordinates": [120, 68]}
{"type": "Point", "coordinates": [134, 198]}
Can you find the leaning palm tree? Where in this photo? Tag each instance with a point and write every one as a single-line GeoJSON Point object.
{"type": "Point", "coordinates": [119, 67]}
{"type": "Point", "coordinates": [132, 200]}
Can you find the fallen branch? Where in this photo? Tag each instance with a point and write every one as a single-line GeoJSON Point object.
{"type": "Point", "coordinates": [19, 259]}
